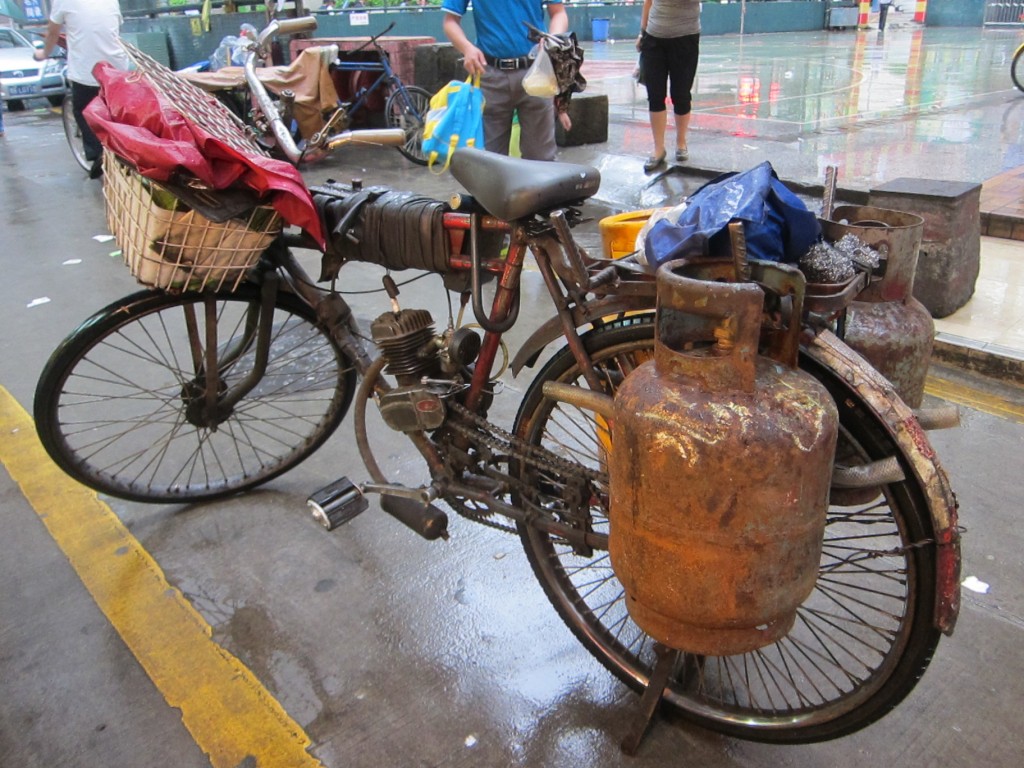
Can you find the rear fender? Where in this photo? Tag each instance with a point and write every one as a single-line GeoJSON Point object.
{"type": "Point", "coordinates": [620, 309]}
{"type": "Point", "coordinates": [878, 394]}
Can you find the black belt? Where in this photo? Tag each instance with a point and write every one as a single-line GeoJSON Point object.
{"type": "Point", "coordinates": [509, 64]}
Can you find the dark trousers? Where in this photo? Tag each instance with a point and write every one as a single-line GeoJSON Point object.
{"type": "Point", "coordinates": [670, 65]}
{"type": "Point", "coordinates": [81, 95]}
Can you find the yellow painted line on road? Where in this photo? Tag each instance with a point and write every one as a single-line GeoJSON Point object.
{"type": "Point", "coordinates": [229, 713]}
{"type": "Point", "coordinates": [973, 398]}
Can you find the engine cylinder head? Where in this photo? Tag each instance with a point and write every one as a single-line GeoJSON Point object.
{"type": "Point", "coordinates": [406, 339]}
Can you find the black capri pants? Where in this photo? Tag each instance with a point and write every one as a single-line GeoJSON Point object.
{"type": "Point", "coordinates": [669, 65]}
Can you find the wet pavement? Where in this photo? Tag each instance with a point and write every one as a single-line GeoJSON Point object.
{"type": "Point", "coordinates": [384, 649]}
{"type": "Point", "coordinates": [912, 101]}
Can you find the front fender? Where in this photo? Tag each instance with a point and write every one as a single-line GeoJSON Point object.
{"type": "Point", "coordinates": [899, 421]}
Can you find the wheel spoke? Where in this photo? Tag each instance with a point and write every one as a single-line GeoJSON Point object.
{"type": "Point", "coordinates": [126, 416]}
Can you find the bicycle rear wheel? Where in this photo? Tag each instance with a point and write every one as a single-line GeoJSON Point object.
{"type": "Point", "coordinates": [406, 108]}
{"type": "Point", "coordinates": [1017, 68]}
{"type": "Point", "coordinates": [120, 405]}
{"type": "Point", "coordinates": [73, 133]}
{"type": "Point", "coordinates": [861, 640]}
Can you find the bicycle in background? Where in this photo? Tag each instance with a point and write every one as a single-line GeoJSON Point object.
{"type": "Point", "coordinates": [365, 83]}
{"type": "Point", "coordinates": [73, 133]}
{"type": "Point", "coordinates": [406, 106]}
{"type": "Point", "coordinates": [1017, 67]}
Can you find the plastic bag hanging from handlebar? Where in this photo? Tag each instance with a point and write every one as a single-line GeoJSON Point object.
{"type": "Point", "coordinates": [133, 119]}
{"type": "Point", "coordinates": [566, 59]}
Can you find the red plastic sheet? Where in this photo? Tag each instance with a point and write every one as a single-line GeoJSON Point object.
{"type": "Point", "coordinates": [136, 122]}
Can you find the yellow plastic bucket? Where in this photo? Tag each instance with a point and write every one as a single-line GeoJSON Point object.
{"type": "Point", "coordinates": [618, 233]}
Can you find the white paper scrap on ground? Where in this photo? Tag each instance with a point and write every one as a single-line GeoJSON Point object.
{"type": "Point", "coordinates": [37, 302]}
{"type": "Point", "coordinates": [102, 238]}
{"type": "Point", "coordinates": [71, 261]}
{"type": "Point", "coordinates": [975, 585]}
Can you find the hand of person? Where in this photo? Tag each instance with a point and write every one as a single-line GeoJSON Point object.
{"type": "Point", "coordinates": [565, 120]}
{"type": "Point", "coordinates": [474, 61]}
{"type": "Point", "coordinates": [38, 55]}
{"type": "Point", "coordinates": [639, 41]}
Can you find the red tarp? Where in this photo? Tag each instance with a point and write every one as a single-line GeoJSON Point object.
{"type": "Point", "coordinates": [136, 122]}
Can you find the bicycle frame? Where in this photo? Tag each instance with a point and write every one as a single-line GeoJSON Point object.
{"type": "Point", "coordinates": [383, 65]}
{"type": "Point", "coordinates": [896, 546]}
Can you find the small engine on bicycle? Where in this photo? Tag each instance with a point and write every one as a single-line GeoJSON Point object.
{"type": "Point", "coordinates": [426, 366]}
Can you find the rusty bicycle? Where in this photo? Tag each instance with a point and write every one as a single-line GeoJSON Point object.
{"type": "Point", "coordinates": [212, 387]}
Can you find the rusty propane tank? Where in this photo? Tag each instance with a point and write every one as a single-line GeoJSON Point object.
{"type": "Point", "coordinates": [885, 323]}
{"type": "Point", "coordinates": [719, 474]}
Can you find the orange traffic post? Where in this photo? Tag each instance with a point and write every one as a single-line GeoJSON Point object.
{"type": "Point", "coordinates": [920, 9]}
{"type": "Point", "coordinates": [865, 12]}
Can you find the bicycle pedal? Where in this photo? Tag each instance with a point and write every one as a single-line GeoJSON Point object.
{"type": "Point", "coordinates": [337, 503]}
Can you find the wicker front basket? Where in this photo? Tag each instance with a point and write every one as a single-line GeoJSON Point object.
{"type": "Point", "coordinates": [167, 245]}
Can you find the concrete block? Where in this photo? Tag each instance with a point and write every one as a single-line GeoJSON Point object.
{"type": "Point", "coordinates": [436, 65]}
{"type": "Point", "coordinates": [401, 49]}
{"type": "Point", "coordinates": [589, 114]}
{"type": "Point", "coordinates": [950, 256]}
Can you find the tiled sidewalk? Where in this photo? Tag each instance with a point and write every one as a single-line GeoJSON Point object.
{"type": "Point", "coordinates": [987, 333]}
{"type": "Point", "coordinates": [1002, 205]}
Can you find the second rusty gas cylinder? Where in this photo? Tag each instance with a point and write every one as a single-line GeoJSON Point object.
{"type": "Point", "coordinates": [719, 475]}
{"type": "Point", "coordinates": [886, 324]}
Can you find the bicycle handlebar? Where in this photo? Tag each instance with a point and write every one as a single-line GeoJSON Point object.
{"type": "Point", "coordinates": [291, 26]}
{"type": "Point", "coordinates": [387, 137]}
{"type": "Point", "coordinates": [373, 40]}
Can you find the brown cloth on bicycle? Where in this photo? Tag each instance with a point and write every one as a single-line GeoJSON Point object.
{"type": "Point", "coordinates": [308, 76]}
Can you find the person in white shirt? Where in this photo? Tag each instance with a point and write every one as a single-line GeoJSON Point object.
{"type": "Point", "coordinates": [93, 28]}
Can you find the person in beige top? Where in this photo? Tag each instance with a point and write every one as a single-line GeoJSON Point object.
{"type": "Point", "coordinates": [669, 45]}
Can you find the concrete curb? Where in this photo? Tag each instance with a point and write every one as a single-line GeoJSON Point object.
{"type": "Point", "coordinates": [990, 360]}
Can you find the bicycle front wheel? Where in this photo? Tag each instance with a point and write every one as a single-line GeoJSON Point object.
{"type": "Point", "coordinates": [122, 404]}
{"type": "Point", "coordinates": [861, 640]}
{"type": "Point", "coordinates": [1017, 68]}
{"type": "Point", "coordinates": [406, 108]}
{"type": "Point", "coordinates": [73, 133]}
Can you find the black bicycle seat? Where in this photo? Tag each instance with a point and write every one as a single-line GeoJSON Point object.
{"type": "Point", "coordinates": [510, 188]}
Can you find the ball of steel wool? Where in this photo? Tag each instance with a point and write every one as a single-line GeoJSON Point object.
{"type": "Point", "coordinates": [858, 251]}
{"type": "Point", "coordinates": [825, 264]}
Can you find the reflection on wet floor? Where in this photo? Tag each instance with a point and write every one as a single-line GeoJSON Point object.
{"type": "Point", "coordinates": [880, 106]}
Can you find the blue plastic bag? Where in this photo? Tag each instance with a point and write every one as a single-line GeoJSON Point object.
{"type": "Point", "coordinates": [455, 119]}
{"type": "Point", "coordinates": [776, 223]}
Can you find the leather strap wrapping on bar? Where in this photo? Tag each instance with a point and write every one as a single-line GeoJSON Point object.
{"type": "Point", "coordinates": [397, 230]}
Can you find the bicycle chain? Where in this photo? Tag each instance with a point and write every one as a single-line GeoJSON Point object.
{"type": "Point", "coordinates": [479, 430]}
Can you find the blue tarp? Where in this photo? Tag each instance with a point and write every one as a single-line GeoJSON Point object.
{"type": "Point", "coordinates": [777, 225]}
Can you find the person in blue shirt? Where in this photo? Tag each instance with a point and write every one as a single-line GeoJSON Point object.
{"type": "Point", "coordinates": [500, 57]}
